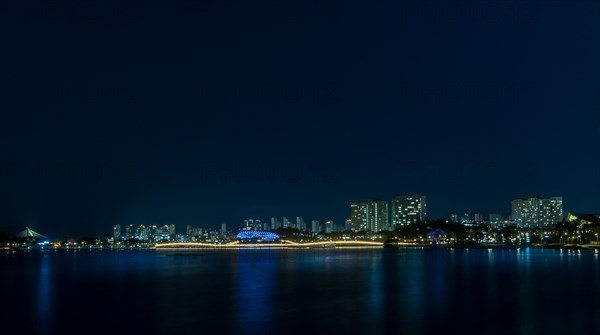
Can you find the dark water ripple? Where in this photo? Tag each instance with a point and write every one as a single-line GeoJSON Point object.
{"type": "Point", "coordinates": [369, 291]}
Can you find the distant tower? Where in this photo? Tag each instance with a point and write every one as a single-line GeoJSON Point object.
{"type": "Point", "coordinates": [300, 223]}
{"type": "Point", "coordinates": [129, 231]}
{"type": "Point", "coordinates": [348, 225]}
{"type": "Point", "coordinates": [117, 231]}
{"type": "Point", "coordinates": [315, 227]}
{"type": "Point", "coordinates": [275, 224]}
{"type": "Point", "coordinates": [329, 227]}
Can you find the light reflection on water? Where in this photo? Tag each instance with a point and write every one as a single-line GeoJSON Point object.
{"type": "Point", "coordinates": [44, 295]}
{"type": "Point", "coordinates": [255, 284]}
{"type": "Point", "coordinates": [371, 291]}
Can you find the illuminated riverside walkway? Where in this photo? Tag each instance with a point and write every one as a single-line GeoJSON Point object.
{"type": "Point", "coordinates": [283, 244]}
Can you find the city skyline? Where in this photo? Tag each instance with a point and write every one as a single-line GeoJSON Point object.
{"type": "Point", "coordinates": [378, 215]}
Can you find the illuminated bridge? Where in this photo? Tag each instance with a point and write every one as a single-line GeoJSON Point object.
{"type": "Point", "coordinates": [280, 244]}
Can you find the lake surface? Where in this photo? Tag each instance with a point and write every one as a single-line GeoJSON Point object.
{"type": "Point", "coordinates": [350, 291]}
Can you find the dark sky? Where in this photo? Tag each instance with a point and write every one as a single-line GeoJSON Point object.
{"type": "Point", "coordinates": [203, 112]}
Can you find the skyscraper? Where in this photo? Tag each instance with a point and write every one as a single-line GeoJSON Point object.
{"type": "Point", "coordinates": [537, 211]}
{"type": "Point", "coordinates": [315, 227]}
{"type": "Point", "coordinates": [300, 223]}
{"type": "Point", "coordinates": [370, 215]}
{"type": "Point", "coordinates": [275, 224]}
{"type": "Point", "coordinates": [329, 227]}
{"type": "Point", "coordinates": [117, 231]}
{"type": "Point", "coordinates": [348, 225]}
{"type": "Point", "coordinates": [408, 209]}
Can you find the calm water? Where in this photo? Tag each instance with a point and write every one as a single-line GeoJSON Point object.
{"type": "Point", "coordinates": [374, 291]}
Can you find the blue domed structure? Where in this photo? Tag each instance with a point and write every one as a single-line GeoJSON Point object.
{"type": "Point", "coordinates": [436, 235]}
{"type": "Point", "coordinates": [257, 236]}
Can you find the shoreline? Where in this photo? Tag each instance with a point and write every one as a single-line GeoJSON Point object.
{"type": "Point", "coordinates": [299, 246]}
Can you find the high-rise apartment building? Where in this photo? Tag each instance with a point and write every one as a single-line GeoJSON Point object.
{"type": "Point", "coordinates": [408, 209]}
{"type": "Point", "coordinates": [370, 215]}
{"type": "Point", "coordinates": [537, 211]}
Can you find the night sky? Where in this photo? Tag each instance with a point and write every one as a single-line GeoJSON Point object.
{"type": "Point", "coordinates": [210, 112]}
